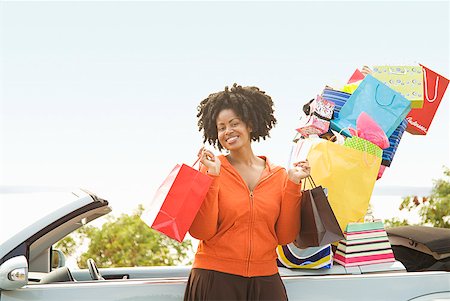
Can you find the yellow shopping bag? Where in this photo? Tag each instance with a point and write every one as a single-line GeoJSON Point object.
{"type": "Point", "coordinates": [348, 174]}
{"type": "Point", "coordinates": [407, 80]}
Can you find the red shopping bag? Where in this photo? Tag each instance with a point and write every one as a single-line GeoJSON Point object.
{"type": "Point", "coordinates": [356, 77]}
{"type": "Point", "coordinates": [177, 201]}
{"type": "Point", "coordinates": [434, 86]}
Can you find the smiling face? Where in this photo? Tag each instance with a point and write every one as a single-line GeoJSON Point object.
{"type": "Point", "coordinates": [232, 132]}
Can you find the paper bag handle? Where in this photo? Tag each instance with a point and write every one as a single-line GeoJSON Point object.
{"type": "Point", "coordinates": [196, 161]}
{"type": "Point", "coordinates": [311, 182]}
{"type": "Point", "coordinates": [378, 102]}
{"type": "Point", "coordinates": [426, 86]}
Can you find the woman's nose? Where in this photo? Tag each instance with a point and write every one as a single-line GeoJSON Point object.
{"type": "Point", "coordinates": [228, 130]}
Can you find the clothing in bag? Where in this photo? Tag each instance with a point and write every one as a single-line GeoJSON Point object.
{"type": "Point", "coordinates": [177, 202]}
{"type": "Point", "coordinates": [394, 140]}
{"type": "Point", "coordinates": [348, 174]}
{"type": "Point", "coordinates": [434, 87]}
{"type": "Point", "coordinates": [407, 80]}
{"type": "Point", "coordinates": [337, 97]}
{"type": "Point", "coordinates": [318, 224]}
{"type": "Point", "coordinates": [314, 258]}
{"type": "Point", "coordinates": [364, 243]}
{"type": "Point", "coordinates": [386, 107]}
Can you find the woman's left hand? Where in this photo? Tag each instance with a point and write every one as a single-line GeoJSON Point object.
{"type": "Point", "coordinates": [301, 170]}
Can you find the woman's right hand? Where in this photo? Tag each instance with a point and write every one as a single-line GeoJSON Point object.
{"type": "Point", "coordinates": [211, 162]}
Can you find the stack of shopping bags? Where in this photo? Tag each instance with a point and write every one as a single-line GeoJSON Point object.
{"type": "Point", "coordinates": [370, 115]}
{"type": "Point", "coordinates": [364, 243]}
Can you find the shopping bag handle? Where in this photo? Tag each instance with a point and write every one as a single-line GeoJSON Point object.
{"type": "Point", "coordinates": [196, 161]}
{"type": "Point", "coordinates": [366, 153]}
{"type": "Point", "coordinates": [311, 182]}
{"type": "Point", "coordinates": [378, 102]}
{"type": "Point", "coordinates": [426, 86]}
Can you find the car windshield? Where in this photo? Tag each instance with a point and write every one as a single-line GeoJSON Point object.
{"type": "Point", "coordinates": [19, 210]}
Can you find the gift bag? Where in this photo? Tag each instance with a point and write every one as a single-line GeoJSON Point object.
{"type": "Point", "coordinates": [318, 225]}
{"type": "Point", "coordinates": [364, 243]}
{"type": "Point", "coordinates": [387, 107]}
{"type": "Point", "coordinates": [363, 145]}
{"type": "Point", "coordinates": [394, 140]}
{"type": "Point", "coordinates": [314, 126]}
{"type": "Point", "coordinates": [177, 201]}
{"type": "Point", "coordinates": [434, 87]}
{"type": "Point", "coordinates": [407, 80]}
{"type": "Point", "coordinates": [314, 258]}
{"type": "Point", "coordinates": [319, 107]}
{"type": "Point", "coordinates": [337, 97]}
{"type": "Point", "coordinates": [368, 129]}
{"type": "Point", "coordinates": [356, 77]}
{"type": "Point", "coordinates": [349, 176]}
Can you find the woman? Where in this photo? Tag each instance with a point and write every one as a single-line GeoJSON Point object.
{"type": "Point", "coordinates": [251, 206]}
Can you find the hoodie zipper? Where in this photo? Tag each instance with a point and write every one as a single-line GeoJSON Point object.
{"type": "Point", "coordinates": [251, 217]}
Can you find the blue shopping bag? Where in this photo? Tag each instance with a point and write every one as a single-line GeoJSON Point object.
{"type": "Point", "coordinates": [386, 106]}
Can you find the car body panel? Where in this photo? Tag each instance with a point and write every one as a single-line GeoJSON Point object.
{"type": "Point", "coordinates": [384, 286]}
{"type": "Point", "coordinates": [388, 281]}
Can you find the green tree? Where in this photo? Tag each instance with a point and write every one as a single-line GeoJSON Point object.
{"type": "Point", "coordinates": [128, 241]}
{"type": "Point", "coordinates": [67, 245]}
{"type": "Point", "coordinates": [434, 210]}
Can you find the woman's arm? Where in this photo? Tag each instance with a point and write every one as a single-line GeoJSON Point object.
{"type": "Point", "coordinates": [204, 226]}
{"type": "Point", "coordinates": [288, 223]}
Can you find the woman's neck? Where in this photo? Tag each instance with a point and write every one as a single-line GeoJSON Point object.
{"type": "Point", "coordinates": [243, 156]}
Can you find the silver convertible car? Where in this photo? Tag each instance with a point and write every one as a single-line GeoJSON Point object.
{"type": "Point", "coordinates": [26, 272]}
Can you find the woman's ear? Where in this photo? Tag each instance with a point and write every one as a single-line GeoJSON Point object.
{"type": "Point", "coordinates": [250, 127]}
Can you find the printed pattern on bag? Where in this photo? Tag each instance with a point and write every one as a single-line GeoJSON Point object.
{"type": "Point", "coordinates": [363, 145]}
{"type": "Point", "coordinates": [337, 97]}
{"type": "Point", "coordinates": [314, 126]}
{"type": "Point", "coordinates": [290, 256]}
{"type": "Point", "coordinates": [407, 80]}
{"type": "Point", "coordinates": [323, 108]}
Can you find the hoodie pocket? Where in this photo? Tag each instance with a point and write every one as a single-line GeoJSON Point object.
{"type": "Point", "coordinates": [264, 242]}
{"type": "Point", "coordinates": [231, 243]}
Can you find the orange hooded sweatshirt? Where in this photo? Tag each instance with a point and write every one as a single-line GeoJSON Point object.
{"type": "Point", "coordinates": [240, 229]}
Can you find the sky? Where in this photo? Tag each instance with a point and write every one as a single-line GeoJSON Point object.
{"type": "Point", "coordinates": [103, 95]}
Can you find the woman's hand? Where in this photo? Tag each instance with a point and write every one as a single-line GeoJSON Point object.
{"type": "Point", "coordinates": [211, 162]}
{"type": "Point", "coordinates": [301, 170]}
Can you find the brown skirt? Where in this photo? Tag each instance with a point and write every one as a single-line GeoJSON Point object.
{"type": "Point", "coordinates": [212, 285]}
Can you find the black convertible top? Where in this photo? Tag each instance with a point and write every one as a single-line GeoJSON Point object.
{"type": "Point", "coordinates": [436, 239]}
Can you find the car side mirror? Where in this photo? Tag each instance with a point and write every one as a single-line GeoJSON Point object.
{"type": "Point", "coordinates": [58, 259]}
{"type": "Point", "coordinates": [14, 273]}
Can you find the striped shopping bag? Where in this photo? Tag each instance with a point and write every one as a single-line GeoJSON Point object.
{"type": "Point", "coordinates": [394, 140]}
{"type": "Point", "coordinates": [337, 97]}
{"type": "Point", "coordinates": [364, 243]}
{"type": "Point", "coordinates": [289, 256]}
